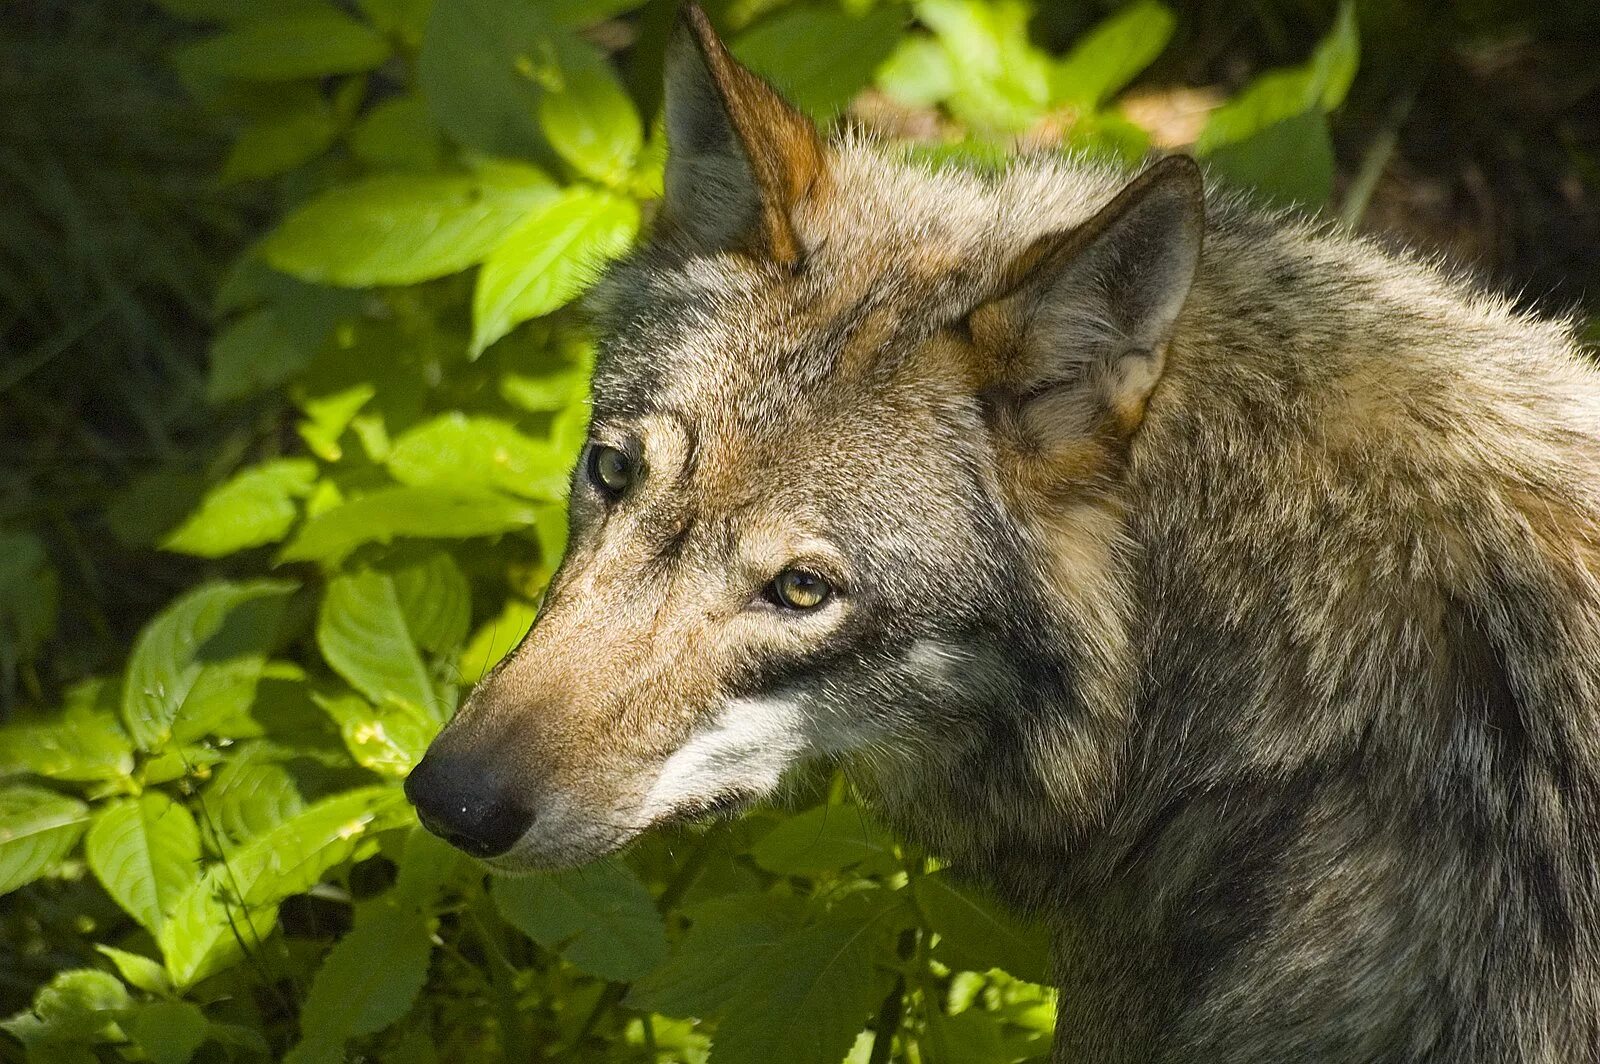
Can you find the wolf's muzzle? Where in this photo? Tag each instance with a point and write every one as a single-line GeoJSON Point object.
{"type": "Point", "coordinates": [464, 805]}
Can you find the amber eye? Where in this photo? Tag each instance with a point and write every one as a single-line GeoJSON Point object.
{"type": "Point", "coordinates": [610, 469]}
{"type": "Point", "coordinates": [799, 589]}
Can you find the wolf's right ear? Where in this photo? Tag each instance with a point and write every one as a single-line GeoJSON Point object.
{"type": "Point", "coordinates": [740, 158]}
{"type": "Point", "coordinates": [1082, 328]}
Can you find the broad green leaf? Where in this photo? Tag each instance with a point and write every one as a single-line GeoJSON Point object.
{"type": "Point", "coordinates": [78, 1005]}
{"type": "Point", "coordinates": [196, 665]}
{"type": "Point", "coordinates": [139, 971]}
{"type": "Point", "coordinates": [389, 738]}
{"type": "Point", "coordinates": [585, 113]}
{"type": "Point", "coordinates": [545, 393]}
{"type": "Point", "coordinates": [368, 981]}
{"type": "Point", "coordinates": [809, 1001]}
{"type": "Point", "coordinates": [478, 452]}
{"type": "Point", "coordinates": [169, 1032]}
{"type": "Point", "coordinates": [600, 917]}
{"type": "Point", "coordinates": [435, 600]}
{"type": "Point", "coordinates": [404, 18]}
{"type": "Point", "coordinates": [1001, 81]}
{"type": "Point", "coordinates": [146, 853]}
{"type": "Point", "coordinates": [472, 71]}
{"type": "Point", "coordinates": [327, 416]}
{"type": "Point", "coordinates": [428, 512]}
{"type": "Point", "coordinates": [276, 142]}
{"type": "Point", "coordinates": [827, 839]}
{"type": "Point", "coordinates": [975, 935]}
{"type": "Point", "coordinates": [271, 343]}
{"type": "Point", "coordinates": [1277, 96]}
{"type": "Point", "coordinates": [366, 636]}
{"type": "Point", "coordinates": [548, 260]}
{"type": "Point", "coordinates": [577, 13]}
{"type": "Point", "coordinates": [234, 905]}
{"type": "Point", "coordinates": [398, 134]}
{"type": "Point", "coordinates": [821, 57]}
{"type": "Point", "coordinates": [1289, 162]}
{"type": "Point", "coordinates": [85, 743]}
{"type": "Point", "coordinates": [402, 228]}
{"type": "Point", "coordinates": [37, 829]}
{"type": "Point", "coordinates": [495, 639]}
{"type": "Point", "coordinates": [730, 938]}
{"type": "Point", "coordinates": [310, 45]}
{"type": "Point", "coordinates": [254, 507]}
{"type": "Point", "coordinates": [248, 797]}
{"type": "Point", "coordinates": [1112, 54]}
{"type": "Point", "coordinates": [920, 73]}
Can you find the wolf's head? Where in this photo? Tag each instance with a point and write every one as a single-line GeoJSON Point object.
{"type": "Point", "coordinates": [851, 483]}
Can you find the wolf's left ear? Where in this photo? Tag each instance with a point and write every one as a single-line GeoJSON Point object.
{"type": "Point", "coordinates": [740, 158]}
{"type": "Point", "coordinates": [1083, 327]}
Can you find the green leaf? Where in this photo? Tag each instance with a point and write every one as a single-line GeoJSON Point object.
{"type": "Point", "coordinates": [79, 1005]}
{"type": "Point", "coordinates": [234, 905]}
{"type": "Point", "coordinates": [1112, 54]}
{"type": "Point", "coordinates": [431, 512]}
{"type": "Point", "coordinates": [297, 131]}
{"type": "Point", "coordinates": [975, 935]}
{"type": "Point", "coordinates": [824, 840]}
{"type": "Point", "coordinates": [1277, 96]}
{"type": "Point", "coordinates": [1289, 162]}
{"type": "Point", "coordinates": [585, 113]}
{"type": "Point", "coordinates": [1002, 82]}
{"type": "Point", "coordinates": [363, 634]}
{"type": "Point", "coordinates": [549, 259]}
{"type": "Point", "coordinates": [577, 13]}
{"type": "Point", "coordinates": [402, 228]}
{"type": "Point", "coordinates": [398, 134]}
{"type": "Point", "coordinates": [435, 599]}
{"type": "Point", "coordinates": [266, 346]}
{"type": "Point", "coordinates": [310, 45]}
{"type": "Point", "coordinates": [920, 73]}
{"type": "Point", "coordinates": [196, 665]}
{"type": "Point", "coordinates": [85, 743]}
{"type": "Point", "coordinates": [600, 917]}
{"type": "Point", "coordinates": [38, 828]}
{"type": "Point", "coordinates": [368, 981]}
{"type": "Point", "coordinates": [139, 971]}
{"type": "Point", "coordinates": [495, 639]}
{"type": "Point", "coordinates": [249, 796]}
{"type": "Point", "coordinates": [254, 507]}
{"type": "Point", "coordinates": [472, 71]}
{"type": "Point", "coordinates": [810, 999]}
{"type": "Point", "coordinates": [729, 938]}
{"type": "Point", "coordinates": [389, 738]}
{"type": "Point", "coordinates": [169, 1032]}
{"type": "Point", "coordinates": [821, 57]}
{"type": "Point", "coordinates": [146, 853]}
{"type": "Point", "coordinates": [479, 452]}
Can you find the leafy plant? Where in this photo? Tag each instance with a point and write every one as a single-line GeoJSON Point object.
{"type": "Point", "coordinates": [206, 852]}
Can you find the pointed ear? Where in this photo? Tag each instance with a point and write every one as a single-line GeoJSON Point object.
{"type": "Point", "coordinates": [739, 157]}
{"type": "Point", "coordinates": [1083, 328]}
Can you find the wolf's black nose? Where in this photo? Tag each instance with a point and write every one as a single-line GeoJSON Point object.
{"type": "Point", "coordinates": [464, 805]}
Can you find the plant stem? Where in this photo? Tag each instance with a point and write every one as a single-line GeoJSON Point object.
{"type": "Point", "coordinates": [888, 1022]}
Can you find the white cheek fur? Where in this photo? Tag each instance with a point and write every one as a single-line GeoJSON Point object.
{"type": "Point", "coordinates": [748, 748]}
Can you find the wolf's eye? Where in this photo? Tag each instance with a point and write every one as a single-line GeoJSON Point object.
{"type": "Point", "coordinates": [610, 469]}
{"type": "Point", "coordinates": [798, 589]}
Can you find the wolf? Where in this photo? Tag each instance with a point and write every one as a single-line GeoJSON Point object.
{"type": "Point", "coordinates": [1218, 586]}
